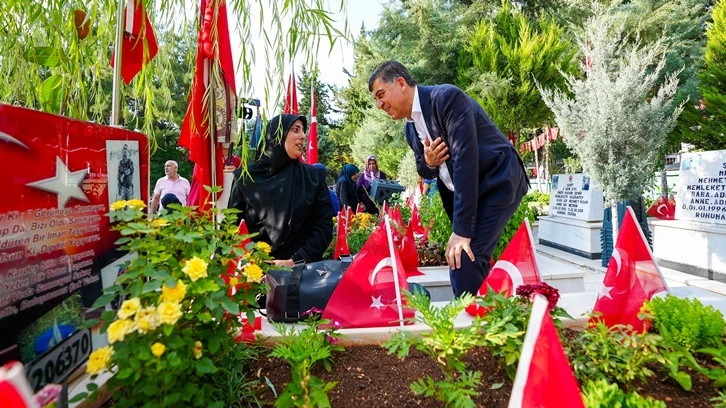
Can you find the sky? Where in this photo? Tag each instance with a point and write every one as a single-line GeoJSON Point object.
{"type": "Point", "coordinates": [330, 65]}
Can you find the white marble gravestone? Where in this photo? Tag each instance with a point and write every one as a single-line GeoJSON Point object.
{"type": "Point", "coordinates": [695, 242]}
{"type": "Point", "coordinates": [575, 216]}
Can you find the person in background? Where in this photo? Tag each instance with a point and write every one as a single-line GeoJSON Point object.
{"type": "Point", "coordinates": [333, 196]}
{"type": "Point", "coordinates": [364, 183]}
{"type": "Point", "coordinates": [234, 163]}
{"type": "Point", "coordinates": [346, 188]}
{"type": "Point", "coordinates": [282, 199]}
{"type": "Point", "coordinates": [173, 184]}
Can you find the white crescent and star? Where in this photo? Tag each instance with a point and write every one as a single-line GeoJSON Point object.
{"type": "Point", "coordinates": [66, 184]}
{"type": "Point", "coordinates": [7, 138]}
{"type": "Point", "coordinates": [381, 264]}
{"type": "Point", "coordinates": [660, 207]}
{"type": "Point", "coordinates": [605, 290]}
{"type": "Point", "coordinates": [514, 274]}
{"type": "Point", "coordinates": [376, 302]}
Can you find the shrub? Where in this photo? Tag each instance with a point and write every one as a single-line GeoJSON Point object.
{"type": "Point", "coordinates": [523, 211]}
{"type": "Point", "coordinates": [514, 311]}
{"type": "Point", "coordinates": [448, 346]}
{"type": "Point", "coordinates": [172, 342]}
{"type": "Point", "coordinates": [302, 349]}
{"type": "Point", "coordinates": [601, 394]}
{"type": "Point", "coordinates": [689, 322]}
{"type": "Point", "coordinates": [615, 354]}
{"type": "Point", "coordinates": [432, 213]}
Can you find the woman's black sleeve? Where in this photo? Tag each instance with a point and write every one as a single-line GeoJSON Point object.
{"type": "Point", "coordinates": [322, 229]}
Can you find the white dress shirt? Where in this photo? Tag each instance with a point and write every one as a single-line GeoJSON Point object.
{"type": "Point", "coordinates": [423, 133]}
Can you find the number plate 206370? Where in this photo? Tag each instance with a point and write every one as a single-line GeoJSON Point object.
{"type": "Point", "coordinates": [56, 365]}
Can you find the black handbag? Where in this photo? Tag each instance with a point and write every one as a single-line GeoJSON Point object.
{"type": "Point", "coordinates": [308, 285]}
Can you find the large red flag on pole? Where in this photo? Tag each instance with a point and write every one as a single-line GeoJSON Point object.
{"type": "Point", "coordinates": [312, 148]}
{"type": "Point", "coordinates": [214, 68]}
{"type": "Point", "coordinates": [291, 95]}
{"type": "Point", "coordinates": [138, 45]}
{"type": "Point", "coordinates": [632, 277]}
{"type": "Point", "coordinates": [544, 377]}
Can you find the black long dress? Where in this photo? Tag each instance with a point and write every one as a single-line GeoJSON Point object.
{"type": "Point", "coordinates": [284, 200]}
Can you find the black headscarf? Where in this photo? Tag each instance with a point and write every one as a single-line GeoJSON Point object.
{"type": "Point", "coordinates": [279, 194]}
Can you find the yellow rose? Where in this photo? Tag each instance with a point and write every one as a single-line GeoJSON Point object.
{"type": "Point", "coordinates": [195, 268]}
{"type": "Point", "coordinates": [118, 329]}
{"type": "Point", "coordinates": [159, 222]}
{"type": "Point", "coordinates": [174, 295]}
{"type": "Point", "coordinates": [158, 349]}
{"type": "Point", "coordinates": [136, 203]}
{"type": "Point", "coordinates": [128, 308]}
{"type": "Point", "coordinates": [99, 360]}
{"type": "Point", "coordinates": [253, 273]}
{"type": "Point", "coordinates": [264, 247]}
{"type": "Point", "coordinates": [169, 312]}
{"type": "Point", "coordinates": [233, 281]}
{"type": "Point", "coordinates": [146, 320]}
{"type": "Point", "coordinates": [118, 205]}
{"type": "Point", "coordinates": [198, 350]}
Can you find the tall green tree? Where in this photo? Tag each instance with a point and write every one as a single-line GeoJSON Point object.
{"type": "Point", "coordinates": [618, 141]}
{"type": "Point", "coordinates": [504, 60]}
{"type": "Point", "coordinates": [709, 131]}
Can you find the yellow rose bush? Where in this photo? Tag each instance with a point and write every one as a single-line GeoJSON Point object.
{"type": "Point", "coordinates": [172, 340]}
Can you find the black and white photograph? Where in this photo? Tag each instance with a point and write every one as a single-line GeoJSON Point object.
{"type": "Point", "coordinates": [122, 158]}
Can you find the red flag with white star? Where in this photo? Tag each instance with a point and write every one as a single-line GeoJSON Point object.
{"type": "Point", "coordinates": [544, 377]}
{"type": "Point", "coordinates": [138, 45]}
{"type": "Point", "coordinates": [662, 208]}
{"type": "Point", "coordinates": [632, 278]}
{"type": "Point", "coordinates": [291, 95]}
{"type": "Point", "coordinates": [416, 221]}
{"type": "Point", "coordinates": [409, 254]}
{"type": "Point", "coordinates": [341, 240]}
{"type": "Point", "coordinates": [366, 294]}
{"type": "Point", "coordinates": [517, 266]}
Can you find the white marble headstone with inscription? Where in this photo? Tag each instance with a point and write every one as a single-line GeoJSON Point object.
{"type": "Point", "coordinates": [702, 187]}
{"type": "Point", "coordinates": [575, 196]}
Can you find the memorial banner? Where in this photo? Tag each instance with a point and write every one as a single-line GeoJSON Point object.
{"type": "Point", "coordinates": [57, 251]}
{"type": "Point", "coordinates": [702, 187]}
{"type": "Point", "coordinates": [574, 196]}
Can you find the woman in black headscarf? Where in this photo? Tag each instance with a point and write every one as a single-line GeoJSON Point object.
{"type": "Point", "coordinates": [345, 186]}
{"type": "Point", "coordinates": [283, 199]}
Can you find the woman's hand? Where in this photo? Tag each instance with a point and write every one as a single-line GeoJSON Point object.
{"type": "Point", "coordinates": [283, 263]}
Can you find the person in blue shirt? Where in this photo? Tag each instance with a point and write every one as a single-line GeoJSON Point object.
{"type": "Point", "coordinates": [333, 196]}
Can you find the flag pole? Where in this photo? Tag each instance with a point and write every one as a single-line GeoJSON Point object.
{"type": "Point", "coordinates": [394, 266]}
{"type": "Point", "coordinates": [116, 94]}
{"type": "Point", "coordinates": [212, 129]}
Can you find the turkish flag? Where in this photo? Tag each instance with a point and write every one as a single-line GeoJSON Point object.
{"type": "Point", "coordinates": [213, 48]}
{"type": "Point", "coordinates": [138, 45]}
{"type": "Point", "coordinates": [544, 377]}
{"type": "Point", "coordinates": [359, 209]}
{"type": "Point", "coordinates": [409, 254]}
{"type": "Point", "coordinates": [291, 95]}
{"type": "Point", "coordinates": [341, 242]}
{"type": "Point", "coordinates": [15, 390]}
{"type": "Point", "coordinates": [385, 210]}
{"type": "Point", "coordinates": [663, 209]}
{"type": "Point", "coordinates": [366, 294]}
{"type": "Point", "coordinates": [397, 215]}
{"type": "Point", "coordinates": [416, 221]}
{"type": "Point", "coordinates": [632, 277]}
{"type": "Point", "coordinates": [517, 266]}
{"type": "Point", "coordinates": [312, 149]}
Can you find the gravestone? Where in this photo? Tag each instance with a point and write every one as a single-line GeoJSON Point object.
{"type": "Point", "coordinates": [575, 216]}
{"type": "Point", "coordinates": [695, 242]}
{"type": "Point", "coordinates": [57, 249]}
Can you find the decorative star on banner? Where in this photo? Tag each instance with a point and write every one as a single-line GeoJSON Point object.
{"type": "Point", "coordinates": [65, 183]}
{"type": "Point", "coordinates": [376, 302]}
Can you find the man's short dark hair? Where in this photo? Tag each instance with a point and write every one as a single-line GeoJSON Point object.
{"type": "Point", "coordinates": [388, 72]}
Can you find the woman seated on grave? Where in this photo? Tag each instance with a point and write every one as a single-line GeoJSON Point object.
{"type": "Point", "coordinates": [284, 200]}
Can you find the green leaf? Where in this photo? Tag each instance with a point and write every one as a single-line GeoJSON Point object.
{"type": "Point", "coordinates": [152, 285]}
{"type": "Point", "coordinates": [45, 56]}
{"type": "Point", "coordinates": [52, 94]}
{"type": "Point", "coordinates": [125, 373]}
{"type": "Point", "coordinates": [204, 317]}
{"type": "Point", "coordinates": [230, 306]}
{"type": "Point", "coordinates": [683, 379]}
{"type": "Point", "coordinates": [103, 300]}
{"type": "Point", "coordinates": [496, 386]}
{"type": "Point", "coordinates": [205, 366]}
{"type": "Point", "coordinates": [168, 329]}
{"type": "Point", "coordinates": [92, 386]}
{"type": "Point", "coordinates": [79, 397]}
{"type": "Point", "coordinates": [214, 345]}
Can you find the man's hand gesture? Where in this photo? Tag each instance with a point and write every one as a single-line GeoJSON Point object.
{"type": "Point", "coordinates": [435, 153]}
{"type": "Point", "coordinates": [457, 244]}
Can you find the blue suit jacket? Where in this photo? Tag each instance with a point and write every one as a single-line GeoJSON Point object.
{"type": "Point", "coordinates": [484, 166]}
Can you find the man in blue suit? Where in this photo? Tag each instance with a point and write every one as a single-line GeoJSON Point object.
{"type": "Point", "coordinates": [481, 177]}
